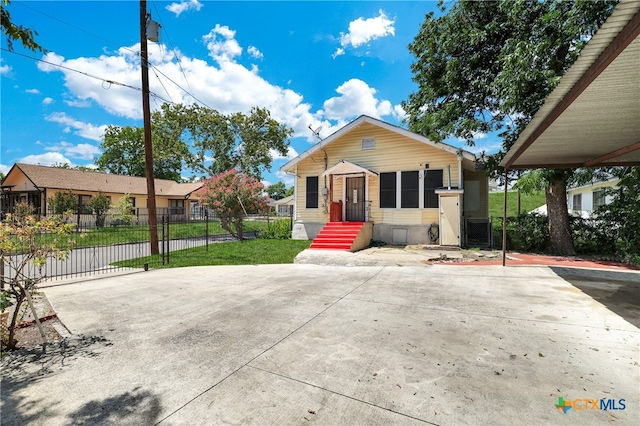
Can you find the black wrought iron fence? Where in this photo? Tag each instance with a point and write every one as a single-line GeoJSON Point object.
{"type": "Point", "coordinates": [101, 249]}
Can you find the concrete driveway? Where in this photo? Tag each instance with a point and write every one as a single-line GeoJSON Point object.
{"type": "Point", "coordinates": [302, 344]}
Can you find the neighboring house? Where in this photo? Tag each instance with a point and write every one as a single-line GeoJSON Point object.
{"type": "Point", "coordinates": [36, 184]}
{"type": "Point", "coordinates": [400, 184]}
{"type": "Point", "coordinates": [284, 206]}
{"type": "Point", "coordinates": [584, 200]}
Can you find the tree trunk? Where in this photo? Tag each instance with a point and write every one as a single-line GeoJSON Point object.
{"type": "Point", "coordinates": [560, 241]}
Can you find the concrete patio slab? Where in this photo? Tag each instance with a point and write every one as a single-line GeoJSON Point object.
{"type": "Point", "coordinates": [298, 344]}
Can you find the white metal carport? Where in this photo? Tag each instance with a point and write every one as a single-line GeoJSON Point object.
{"type": "Point", "coordinates": [592, 118]}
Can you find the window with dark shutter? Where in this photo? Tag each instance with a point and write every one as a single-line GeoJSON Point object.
{"type": "Point", "coordinates": [409, 191]}
{"type": "Point", "coordinates": [388, 190]}
{"type": "Point", "coordinates": [432, 181]}
{"type": "Point", "coordinates": [312, 192]}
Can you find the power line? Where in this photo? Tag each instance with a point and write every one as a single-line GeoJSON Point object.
{"type": "Point", "coordinates": [172, 47]}
{"type": "Point", "coordinates": [132, 51]}
{"type": "Point", "coordinates": [104, 80]}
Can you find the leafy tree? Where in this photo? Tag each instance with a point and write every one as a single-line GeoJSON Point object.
{"type": "Point", "coordinates": [17, 32]}
{"type": "Point", "coordinates": [621, 217]}
{"type": "Point", "coordinates": [100, 205]}
{"type": "Point", "coordinates": [24, 235]}
{"type": "Point", "coordinates": [289, 192]}
{"type": "Point", "coordinates": [2, 177]}
{"type": "Point", "coordinates": [231, 195]}
{"type": "Point", "coordinates": [124, 208]}
{"type": "Point", "coordinates": [63, 201]}
{"type": "Point", "coordinates": [487, 66]}
{"type": "Point", "coordinates": [239, 141]}
{"type": "Point", "coordinates": [123, 154]}
{"type": "Point", "coordinates": [70, 167]}
{"type": "Point", "coordinates": [277, 190]}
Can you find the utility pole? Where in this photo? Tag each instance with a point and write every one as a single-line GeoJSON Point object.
{"type": "Point", "coordinates": [148, 151]}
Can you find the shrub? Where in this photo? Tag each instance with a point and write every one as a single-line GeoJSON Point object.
{"type": "Point", "coordinates": [278, 230]}
{"type": "Point", "coordinates": [100, 205]}
{"type": "Point", "coordinates": [592, 236]}
{"type": "Point", "coordinates": [124, 208]}
{"type": "Point", "coordinates": [528, 232]}
{"type": "Point", "coordinates": [63, 201]}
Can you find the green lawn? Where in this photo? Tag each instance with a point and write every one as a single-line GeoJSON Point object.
{"type": "Point", "coordinates": [249, 252]}
{"type": "Point", "coordinates": [528, 202]}
{"type": "Point", "coordinates": [131, 234]}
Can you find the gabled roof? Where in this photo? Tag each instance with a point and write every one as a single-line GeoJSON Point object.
{"type": "Point", "coordinates": [79, 180]}
{"type": "Point", "coordinates": [344, 167]}
{"type": "Point", "coordinates": [379, 123]}
{"type": "Point", "coordinates": [592, 118]}
{"type": "Point", "coordinates": [284, 201]}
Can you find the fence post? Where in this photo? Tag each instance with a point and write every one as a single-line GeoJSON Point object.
{"type": "Point", "coordinates": [206, 229]}
{"type": "Point", "coordinates": [291, 218]}
{"type": "Point", "coordinates": [1, 274]}
{"type": "Point", "coordinates": [162, 240]}
{"type": "Point", "coordinates": [168, 236]}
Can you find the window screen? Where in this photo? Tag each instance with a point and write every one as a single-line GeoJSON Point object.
{"type": "Point", "coordinates": [388, 190]}
{"type": "Point", "coordinates": [312, 192]}
{"type": "Point", "coordinates": [432, 181]}
{"type": "Point", "coordinates": [409, 190]}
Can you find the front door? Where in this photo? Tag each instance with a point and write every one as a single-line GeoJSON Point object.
{"type": "Point", "coordinates": [354, 206]}
{"type": "Point", "coordinates": [449, 221]}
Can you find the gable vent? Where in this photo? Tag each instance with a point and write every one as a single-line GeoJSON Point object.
{"type": "Point", "coordinates": [368, 143]}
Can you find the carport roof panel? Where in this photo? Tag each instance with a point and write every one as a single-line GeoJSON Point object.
{"type": "Point", "coordinates": [601, 126]}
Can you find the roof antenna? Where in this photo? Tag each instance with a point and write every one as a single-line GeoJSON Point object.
{"type": "Point", "coordinates": [316, 132]}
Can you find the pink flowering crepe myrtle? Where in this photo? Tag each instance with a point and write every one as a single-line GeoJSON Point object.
{"type": "Point", "coordinates": [232, 195]}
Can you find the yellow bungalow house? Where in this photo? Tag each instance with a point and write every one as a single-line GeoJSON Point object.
{"type": "Point", "coordinates": [36, 184]}
{"type": "Point", "coordinates": [373, 180]}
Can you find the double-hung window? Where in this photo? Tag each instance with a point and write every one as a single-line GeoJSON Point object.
{"type": "Point", "coordinates": [312, 192]}
{"type": "Point", "coordinates": [388, 183]}
{"type": "Point", "coordinates": [409, 190]}
{"type": "Point", "coordinates": [432, 181]}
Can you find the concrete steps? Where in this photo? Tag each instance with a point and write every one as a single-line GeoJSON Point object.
{"type": "Point", "coordinates": [338, 236]}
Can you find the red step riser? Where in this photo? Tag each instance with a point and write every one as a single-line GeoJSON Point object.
{"type": "Point", "coordinates": [333, 241]}
{"type": "Point", "coordinates": [330, 247]}
{"type": "Point", "coordinates": [337, 236]}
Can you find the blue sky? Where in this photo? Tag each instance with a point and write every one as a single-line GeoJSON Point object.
{"type": "Point", "coordinates": [310, 63]}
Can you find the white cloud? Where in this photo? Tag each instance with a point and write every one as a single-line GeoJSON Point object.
{"type": "Point", "coordinates": [253, 51]}
{"type": "Point", "coordinates": [83, 151]}
{"type": "Point", "coordinates": [221, 43]}
{"type": "Point", "coordinates": [4, 169]}
{"type": "Point", "coordinates": [291, 153]}
{"type": "Point", "coordinates": [47, 101]}
{"type": "Point", "coordinates": [48, 159]}
{"type": "Point", "coordinates": [86, 130]}
{"type": "Point", "coordinates": [339, 51]}
{"type": "Point", "coordinates": [4, 69]}
{"type": "Point", "coordinates": [184, 6]}
{"type": "Point", "coordinates": [32, 91]}
{"type": "Point", "coordinates": [356, 98]}
{"type": "Point", "coordinates": [362, 31]}
{"type": "Point", "coordinates": [221, 83]}
{"type": "Point", "coordinates": [286, 178]}
{"type": "Point", "coordinates": [78, 103]}
{"type": "Point", "coordinates": [399, 113]}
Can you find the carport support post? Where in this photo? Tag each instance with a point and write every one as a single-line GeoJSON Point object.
{"type": "Point", "coordinates": [504, 221]}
